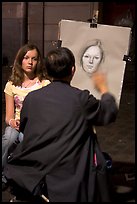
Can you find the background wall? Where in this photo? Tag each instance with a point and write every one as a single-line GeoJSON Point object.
{"type": "Point", "coordinates": [37, 22]}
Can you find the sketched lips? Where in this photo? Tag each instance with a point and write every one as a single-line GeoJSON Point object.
{"type": "Point", "coordinates": [90, 66]}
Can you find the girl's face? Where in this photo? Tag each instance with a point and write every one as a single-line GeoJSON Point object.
{"type": "Point", "coordinates": [30, 61]}
{"type": "Point", "coordinates": [91, 59]}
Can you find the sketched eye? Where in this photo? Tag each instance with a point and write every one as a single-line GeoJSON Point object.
{"type": "Point", "coordinates": [96, 57]}
{"type": "Point", "coordinates": [86, 56]}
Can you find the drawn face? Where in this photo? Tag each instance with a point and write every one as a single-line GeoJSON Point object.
{"type": "Point", "coordinates": [91, 59]}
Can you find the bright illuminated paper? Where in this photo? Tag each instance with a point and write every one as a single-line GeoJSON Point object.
{"type": "Point", "coordinates": [115, 40]}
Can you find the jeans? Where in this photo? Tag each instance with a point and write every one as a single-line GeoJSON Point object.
{"type": "Point", "coordinates": [10, 136]}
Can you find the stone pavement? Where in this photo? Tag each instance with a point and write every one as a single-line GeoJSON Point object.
{"type": "Point", "coordinates": [118, 140]}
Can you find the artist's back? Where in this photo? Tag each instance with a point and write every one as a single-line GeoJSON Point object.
{"type": "Point", "coordinates": [58, 141]}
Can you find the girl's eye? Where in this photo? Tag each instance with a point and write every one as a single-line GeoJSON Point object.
{"type": "Point", "coordinates": [25, 57]}
{"type": "Point", "coordinates": [33, 59]}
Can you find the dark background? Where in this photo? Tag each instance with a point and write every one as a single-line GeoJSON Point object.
{"type": "Point", "coordinates": [117, 139]}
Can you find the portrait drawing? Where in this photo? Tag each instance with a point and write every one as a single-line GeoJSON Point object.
{"type": "Point", "coordinates": [100, 48]}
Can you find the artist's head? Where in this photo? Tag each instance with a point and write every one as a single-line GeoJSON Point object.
{"type": "Point", "coordinates": [60, 63]}
{"type": "Point", "coordinates": [92, 57]}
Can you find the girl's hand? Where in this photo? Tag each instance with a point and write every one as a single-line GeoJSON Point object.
{"type": "Point", "coordinates": [14, 123]}
{"type": "Point", "coordinates": [17, 124]}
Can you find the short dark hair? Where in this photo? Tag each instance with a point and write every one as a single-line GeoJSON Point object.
{"type": "Point", "coordinates": [59, 62]}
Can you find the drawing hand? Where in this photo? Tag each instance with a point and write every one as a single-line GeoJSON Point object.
{"type": "Point", "coordinates": [100, 82]}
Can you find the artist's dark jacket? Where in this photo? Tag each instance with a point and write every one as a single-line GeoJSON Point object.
{"type": "Point", "coordinates": [58, 141]}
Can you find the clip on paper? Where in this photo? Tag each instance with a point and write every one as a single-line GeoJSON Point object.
{"type": "Point", "coordinates": [127, 58]}
{"type": "Point", "coordinates": [59, 42]}
{"type": "Point", "coordinates": [94, 20]}
{"type": "Point", "coordinates": [93, 25]}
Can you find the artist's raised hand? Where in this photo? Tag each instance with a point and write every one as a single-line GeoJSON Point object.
{"type": "Point", "coordinates": [100, 82]}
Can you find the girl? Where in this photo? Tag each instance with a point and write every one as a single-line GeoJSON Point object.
{"type": "Point", "coordinates": [27, 75]}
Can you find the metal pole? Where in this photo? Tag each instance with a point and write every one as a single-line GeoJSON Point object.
{"type": "Point", "coordinates": [24, 23]}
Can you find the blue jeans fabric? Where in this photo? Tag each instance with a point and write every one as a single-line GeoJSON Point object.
{"type": "Point", "coordinates": [10, 136]}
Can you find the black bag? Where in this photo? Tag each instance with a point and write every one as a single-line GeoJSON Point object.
{"type": "Point", "coordinates": [102, 182]}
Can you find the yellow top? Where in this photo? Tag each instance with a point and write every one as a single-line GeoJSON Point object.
{"type": "Point", "coordinates": [19, 93]}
